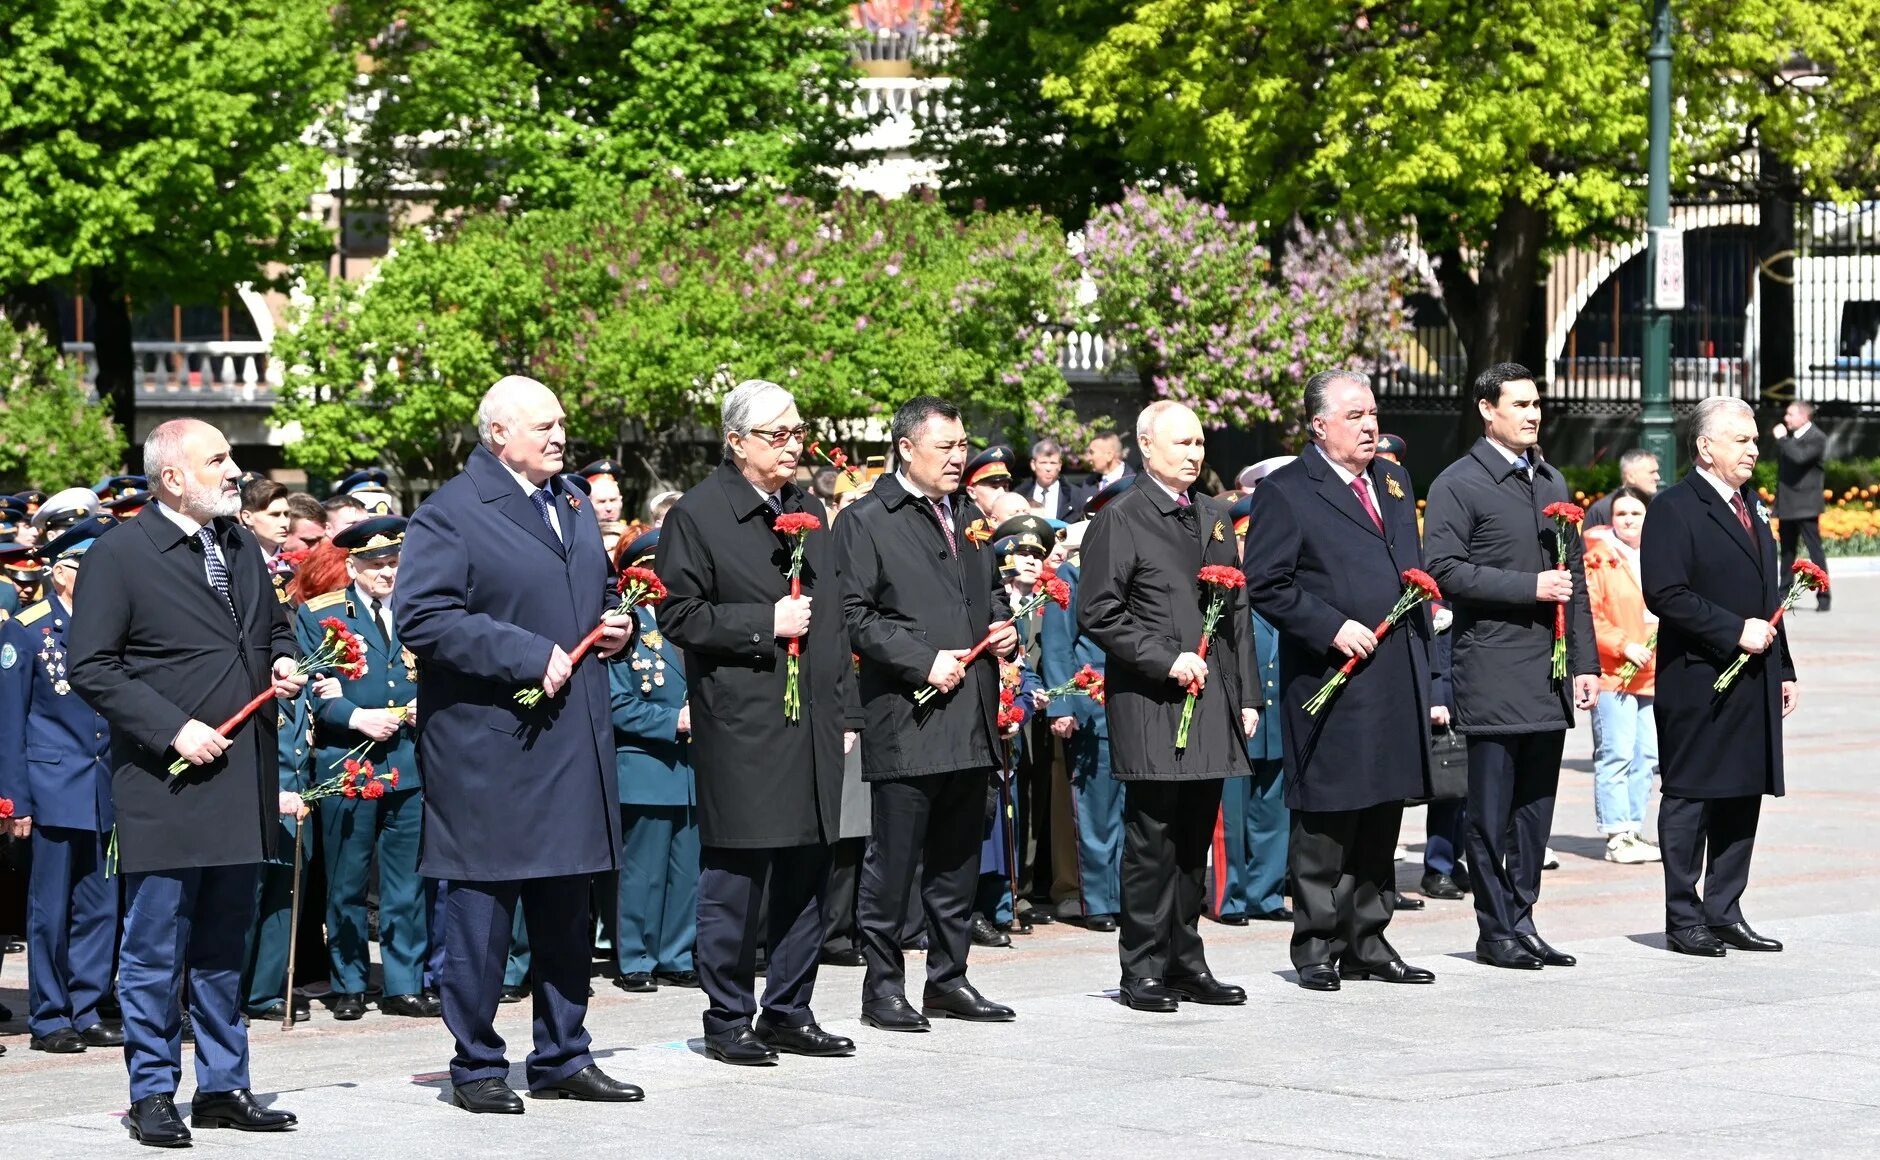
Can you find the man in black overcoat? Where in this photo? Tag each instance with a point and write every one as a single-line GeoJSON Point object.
{"type": "Point", "coordinates": [1139, 598]}
{"type": "Point", "coordinates": [769, 788]}
{"type": "Point", "coordinates": [1801, 448]}
{"type": "Point", "coordinates": [1708, 566]}
{"type": "Point", "coordinates": [1494, 555]}
{"type": "Point", "coordinates": [175, 628]}
{"type": "Point", "coordinates": [918, 593]}
{"type": "Point", "coordinates": [1329, 539]}
{"type": "Point", "coordinates": [502, 574]}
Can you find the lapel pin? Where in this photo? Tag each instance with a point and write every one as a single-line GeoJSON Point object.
{"type": "Point", "coordinates": [1391, 485]}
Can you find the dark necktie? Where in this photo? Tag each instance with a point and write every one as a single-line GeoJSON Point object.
{"type": "Point", "coordinates": [218, 574]}
{"type": "Point", "coordinates": [946, 525]}
{"type": "Point", "coordinates": [1742, 516]}
{"type": "Point", "coordinates": [1521, 467]}
{"type": "Point", "coordinates": [775, 504]}
{"type": "Point", "coordinates": [1364, 500]}
{"type": "Point", "coordinates": [377, 612]}
{"type": "Point", "coordinates": [541, 498]}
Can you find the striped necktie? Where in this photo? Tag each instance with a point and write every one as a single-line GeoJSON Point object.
{"type": "Point", "coordinates": [218, 574]}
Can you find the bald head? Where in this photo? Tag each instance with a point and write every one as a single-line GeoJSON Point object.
{"type": "Point", "coordinates": [521, 422]}
{"type": "Point", "coordinates": [192, 470]}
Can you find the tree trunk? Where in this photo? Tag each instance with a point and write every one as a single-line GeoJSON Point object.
{"type": "Point", "coordinates": [1775, 278]}
{"type": "Point", "coordinates": [111, 343]}
{"type": "Point", "coordinates": [1491, 307]}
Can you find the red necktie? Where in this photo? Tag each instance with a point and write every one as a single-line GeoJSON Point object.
{"type": "Point", "coordinates": [1742, 516]}
{"type": "Point", "coordinates": [946, 526]}
{"type": "Point", "coordinates": [1364, 498]}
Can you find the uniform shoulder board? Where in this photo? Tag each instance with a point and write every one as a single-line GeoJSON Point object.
{"type": "Point", "coordinates": [36, 612]}
{"type": "Point", "coordinates": [326, 599]}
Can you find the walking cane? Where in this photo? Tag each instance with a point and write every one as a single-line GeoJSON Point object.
{"type": "Point", "coordinates": [1008, 806]}
{"type": "Point", "coordinates": [293, 930]}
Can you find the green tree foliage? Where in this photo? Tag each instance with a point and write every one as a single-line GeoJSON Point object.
{"type": "Point", "coordinates": [51, 435]}
{"type": "Point", "coordinates": [641, 310]}
{"type": "Point", "coordinates": [157, 148]}
{"type": "Point", "coordinates": [533, 102]}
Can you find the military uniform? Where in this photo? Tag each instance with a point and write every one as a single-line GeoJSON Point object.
{"type": "Point", "coordinates": [265, 978]}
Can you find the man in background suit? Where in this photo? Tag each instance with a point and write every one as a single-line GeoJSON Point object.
{"type": "Point", "coordinates": [1047, 488]}
{"type": "Point", "coordinates": [1800, 449]}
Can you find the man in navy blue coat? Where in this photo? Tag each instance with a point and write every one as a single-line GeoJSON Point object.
{"type": "Point", "coordinates": [503, 573]}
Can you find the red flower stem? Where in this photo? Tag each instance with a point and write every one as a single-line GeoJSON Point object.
{"type": "Point", "coordinates": [796, 593]}
{"type": "Point", "coordinates": [1383, 626]}
{"type": "Point", "coordinates": [247, 711]}
{"type": "Point", "coordinates": [587, 642]}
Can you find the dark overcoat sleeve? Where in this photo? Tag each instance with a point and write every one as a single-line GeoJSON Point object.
{"type": "Point", "coordinates": [1270, 560]}
{"type": "Point", "coordinates": [434, 620]}
{"type": "Point", "coordinates": [95, 649]}
{"type": "Point", "coordinates": [1103, 611]}
{"type": "Point", "coordinates": [1447, 520]}
{"type": "Point", "coordinates": [1666, 558]}
{"type": "Point", "coordinates": [743, 632]}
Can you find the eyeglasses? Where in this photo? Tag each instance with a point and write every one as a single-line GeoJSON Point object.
{"type": "Point", "coordinates": [782, 435]}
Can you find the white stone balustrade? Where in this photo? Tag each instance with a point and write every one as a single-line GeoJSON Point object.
{"type": "Point", "coordinates": [237, 371]}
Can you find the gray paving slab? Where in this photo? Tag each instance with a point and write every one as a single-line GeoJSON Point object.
{"type": "Point", "coordinates": [1635, 1053]}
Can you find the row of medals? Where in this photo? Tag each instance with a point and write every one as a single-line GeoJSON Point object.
{"type": "Point", "coordinates": [647, 662]}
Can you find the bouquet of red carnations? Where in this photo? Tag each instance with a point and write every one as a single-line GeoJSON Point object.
{"type": "Point", "coordinates": [796, 527]}
{"type": "Point", "coordinates": [1219, 580]}
{"type": "Point", "coordinates": [1050, 589]}
{"type": "Point", "coordinates": [1418, 586]}
{"type": "Point", "coordinates": [637, 586]}
{"type": "Point", "coordinates": [340, 650]}
{"type": "Point", "coordinates": [1808, 577]}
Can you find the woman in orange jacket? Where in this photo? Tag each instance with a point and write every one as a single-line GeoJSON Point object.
{"type": "Point", "coordinates": [1625, 738]}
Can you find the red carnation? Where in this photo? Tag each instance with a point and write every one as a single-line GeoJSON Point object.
{"type": "Point", "coordinates": [642, 584]}
{"type": "Point", "coordinates": [391, 779]}
{"type": "Point", "coordinates": [1086, 677]}
{"type": "Point", "coordinates": [6, 807]}
{"type": "Point", "coordinates": [1222, 576]}
{"type": "Point", "coordinates": [1424, 581]}
{"type": "Point", "coordinates": [373, 791]}
{"type": "Point", "coordinates": [797, 524]}
{"type": "Point", "coordinates": [1571, 513]}
{"type": "Point", "coordinates": [1058, 591]}
{"type": "Point", "coordinates": [1811, 575]}
{"type": "Point", "coordinates": [1007, 697]}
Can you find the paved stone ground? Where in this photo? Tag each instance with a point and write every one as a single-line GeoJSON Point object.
{"type": "Point", "coordinates": [1634, 1053]}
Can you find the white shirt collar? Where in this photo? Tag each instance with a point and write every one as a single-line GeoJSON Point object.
{"type": "Point", "coordinates": [190, 527]}
{"type": "Point", "coordinates": [1510, 456]}
{"type": "Point", "coordinates": [766, 496]}
{"type": "Point", "coordinates": [522, 481]}
{"type": "Point", "coordinates": [1723, 489]}
{"type": "Point", "coordinates": [1800, 431]}
{"type": "Point", "coordinates": [370, 604]}
{"type": "Point", "coordinates": [1166, 489]}
{"type": "Point", "coordinates": [907, 485]}
{"type": "Point", "coordinates": [1344, 477]}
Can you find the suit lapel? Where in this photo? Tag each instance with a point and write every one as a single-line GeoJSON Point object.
{"type": "Point", "coordinates": [521, 511]}
{"type": "Point", "coordinates": [1726, 519]}
{"type": "Point", "coordinates": [1335, 491]}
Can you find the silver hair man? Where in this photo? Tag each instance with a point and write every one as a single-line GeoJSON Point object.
{"type": "Point", "coordinates": [498, 405]}
{"type": "Point", "coordinates": [748, 400]}
{"type": "Point", "coordinates": [1319, 387]}
{"type": "Point", "coordinates": [1710, 413]}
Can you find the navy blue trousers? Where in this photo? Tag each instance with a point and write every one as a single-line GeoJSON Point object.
{"type": "Point", "coordinates": [731, 888]}
{"type": "Point", "coordinates": [1251, 859]}
{"type": "Point", "coordinates": [178, 921]}
{"type": "Point", "coordinates": [478, 920]}
{"type": "Point", "coordinates": [71, 929]}
{"type": "Point", "coordinates": [1446, 835]}
{"type": "Point", "coordinates": [1097, 798]}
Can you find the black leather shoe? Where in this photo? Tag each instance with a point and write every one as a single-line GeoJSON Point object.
{"type": "Point", "coordinates": [153, 1121]}
{"type": "Point", "coordinates": [1695, 940]}
{"type": "Point", "coordinates": [677, 979]}
{"type": "Point", "coordinates": [1463, 882]}
{"type": "Point", "coordinates": [513, 994]}
{"type": "Point", "coordinates": [592, 1085]}
{"type": "Point", "coordinates": [1506, 953]}
{"type": "Point", "coordinates": [109, 1008]}
{"type": "Point", "coordinates": [964, 1002]}
{"type": "Point", "coordinates": [637, 982]}
{"type": "Point", "coordinates": [348, 1006]}
{"type": "Point", "coordinates": [1549, 957]}
{"type": "Point", "coordinates": [1205, 988]}
{"type": "Point", "coordinates": [809, 1039]}
{"type": "Point", "coordinates": [1231, 919]}
{"type": "Point", "coordinates": [1405, 902]}
{"type": "Point", "coordinates": [1318, 977]}
{"type": "Point", "coordinates": [413, 1006]}
{"type": "Point", "coordinates": [491, 1096]}
{"type": "Point", "coordinates": [845, 958]}
{"type": "Point", "coordinates": [984, 934]}
{"type": "Point", "coordinates": [64, 1041]}
{"type": "Point", "coordinates": [1440, 887]}
{"type": "Point", "coordinates": [272, 1010]}
{"type": "Point", "coordinates": [1740, 936]}
{"type": "Point", "coordinates": [1394, 971]}
{"type": "Point", "coordinates": [1038, 916]}
{"type": "Point", "coordinates": [741, 1047]}
{"type": "Point", "coordinates": [1147, 995]}
{"type": "Point", "coordinates": [102, 1035]}
{"type": "Point", "coordinates": [1283, 914]}
{"type": "Point", "coordinates": [894, 1013]}
{"type": "Point", "coordinates": [1101, 923]}
{"type": "Point", "coordinates": [238, 1110]}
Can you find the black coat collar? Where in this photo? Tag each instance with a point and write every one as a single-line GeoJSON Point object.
{"type": "Point", "coordinates": [1499, 467]}
{"type": "Point", "coordinates": [744, 498]}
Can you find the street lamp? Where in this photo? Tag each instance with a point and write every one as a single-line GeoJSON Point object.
{"type": "Point", "coordinates": [1666, 283]}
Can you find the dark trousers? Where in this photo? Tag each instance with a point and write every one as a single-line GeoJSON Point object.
{"type": "Point", "coordinates": [1168, 828]}
{"type": "Point", "coordinates": [1344, 884]}
{"type": "Point", "coordinates": [840, 930]}
{"type": "Point", "coordinates": [655, 920]}
{"type": "Point", "coordinates": [265, 978]}
{"type": "Point", "coordinates": [1808, 531]}
{"type": "Point", "coordinates": [732, 886]}
{"type": "Point", "coordinates": [1446, 835]}
{"type": "Point", "coordinates": [928, 826]}
{"type": "Point", "coordinates": [1713, 837]}
{"type": "Point", "coordinates": [1512, 780]}
{"type": "Point", "coordinates": [478, 920]}
{"type": "Point", "coordinates": [1097, 798]}
{"type": "Point", "coordinates": [351, 831]}
{"type": "Point", "coordinates": [192, 922]}
{"type": "Point", "coordinates": [71, 929]}
{"type": "Point", "coordinates": [1250, 859]}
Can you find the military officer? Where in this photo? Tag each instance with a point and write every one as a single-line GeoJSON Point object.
{"type": "Point", "coordinates": [123, 495]}
{"type": "Point", "coordinates": [603, 478]}
{"type": "Point", "coordinates": [61, 795]}
{"type": "Point", "coordinates": [11, 552]}
{"type": "Point", "coordinates": [659, 855]}
{"type": "Point", "coordinates": [26, 574]}
{"type": "Point", "coordinates": [64, 509]}
{"type": "Point", "coordinates": [371, 486]}
{"type": "Point", "coordinates": [373, 718]}
{"type": "Point", "coordinates": [988, 476]}
{"type": "Point", "coordinates": [265, 975]}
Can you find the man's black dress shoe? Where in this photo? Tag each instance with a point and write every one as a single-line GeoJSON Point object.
{"type": "Point", "coordinates": [809, 1039]}
{"type": "Point", "coordinates": [1318, 977]}
{"type": "Point", "coordinates": [102, 1035]}
{"type": "Point", "coordinates": [1039, 916]}
{"type": "Point", "coordinates": [984, 934]}
{"type": "Point", "coordinates": [1506, 953]}
{"type": "Point", "coordinates": [238, 1110]}
{"type": "Point", "coordinates": [109, 1008]}
{"type": "Point", "coordinates": [964, 1002]}
{"type": "Point", "coordinates": [636, 981]}
{"type": "Point", "coordinates": [1439, 886]}
{"type": "Point", "coordinates": [1205, 988]}
{"type": "Point", "coordinates": [1283, 914]}
{"type": "Point", "coordinates": [1231, 919]}
{"type": "Point", "coordinates": [64, 1041]}
{"type": "Point", "coordinates": [1537, 946]}
{"type": "Point", "coordinates": [1405, 902]}
{"type": "Point", "coordinates": [1147, 995]}
{"type": "Point", "coordinates": [677, 978]}
{"type": "Point", "coordinates": [741, 1047]}
{"type": "Point", "coordinates": [1696, 940]}
{"type": "Point", "coordinates": [894, 1013]}
{"type": "Point", "coordinates": [347, 1006]}
{"type": "Point", "coordinates": [1394, 971]}
{"type": "Point", "coordinates": [412, 1006]}
{"type": "Point", "coordinates": [272, 1010]}
{"type": "Point", "coordinates": [514, 994]}
{"type": "Point", "coordinates": [1101, 923]}
{"type": "Point", "coordinates": [1740, 936]}
{"type": "Point", "coordinates": [153, 1121]}
{"type": "Point", "coordinates": [592, 1085]}
{"type": "Point", "coordinates": [844, 958]}
{"type": "Point", "coordinates": [491, 1096]}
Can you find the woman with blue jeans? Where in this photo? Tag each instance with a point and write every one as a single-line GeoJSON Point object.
{"type": "Point", "coordinates": [1625, 738]}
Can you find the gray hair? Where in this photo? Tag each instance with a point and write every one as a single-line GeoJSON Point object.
{"type": "Point", "coordinates": [1319, 388]}
{"type": "Point", "coordinates": [1146, 421]}
{"type": "Point", "coordinates": [1711, 413]}
{"type": "Point", "coordinates": [163, 447]}
{"type": "Point", "coordinates": [498, 405]}
{"type": "Point", "coordinates": [1633, 458]}
{"type": "Point", "coordinates": [1046, 447]}
{"type": "Point", "coordinates": [741, 404]}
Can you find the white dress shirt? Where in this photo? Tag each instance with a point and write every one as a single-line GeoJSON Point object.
{"type": "Point", "coordinates": [529, 490]}
{"type": "Point", "coordinates": [191, 529]}
{"type": "Point", "coordinates": [1723, 489]}
{"type": "Point", "coordinates": [1346, 477]}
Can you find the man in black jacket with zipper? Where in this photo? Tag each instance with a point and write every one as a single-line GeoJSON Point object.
{"type": "Point", "coordinates": [918, 593]}
{"type": "Point", "coordinates": [1494, 554]}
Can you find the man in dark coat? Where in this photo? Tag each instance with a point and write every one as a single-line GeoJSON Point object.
{"type": "Point", "coordinates": [1494, 555]}
{"type": "Point", "coordinates": [1800, 449]}
{"type": "Point", "coordinates": [1708, 567]}
{"type": "Point", "coordinates": [1328, 541]}
{"type": "Point", "coordinates": [1140, 599]}
{"type": "Point", "coordinates": [175, 627]}
{"type": "Point", "coordinates": [769, 787]}
{"type": "Point", "coordinates": [918, 593]}
{"type": "Point", "coordinates": [502, 573]}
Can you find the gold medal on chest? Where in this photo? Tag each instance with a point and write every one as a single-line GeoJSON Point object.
{"type": "Point", "coordinates": [1220, 531]}
{"type": "Point", "coordinates": [652, 639]}
{"type": "Point", "coordinates": [1393, 487]}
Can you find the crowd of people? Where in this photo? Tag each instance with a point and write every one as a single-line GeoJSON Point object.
{"type": "Point", "coordinates": [922, 705]}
